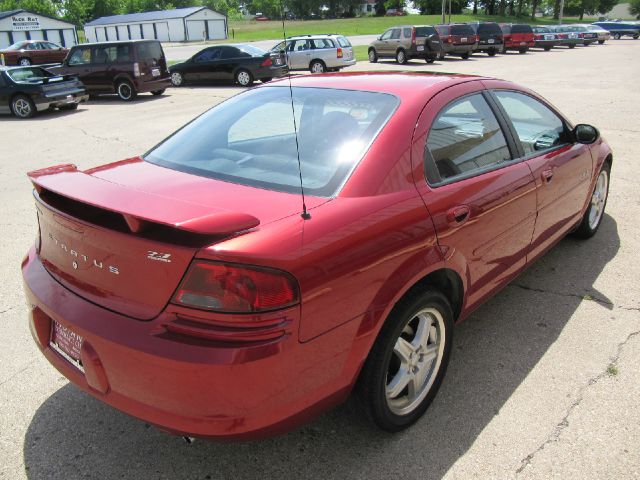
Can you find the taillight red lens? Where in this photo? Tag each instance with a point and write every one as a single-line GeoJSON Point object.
{"type": "Point", "coordinates": [339, 53]}
{"type": "Point", "coordinates": [413, 36]}
{"type": "Point", "coordinates": [223, 287]}
{"type": "Point", "coordinates": [477, 38]}
{"type": "Point", "coordinates": [267, 62]}
{"type": "Point", "coordinates": [539, 37]}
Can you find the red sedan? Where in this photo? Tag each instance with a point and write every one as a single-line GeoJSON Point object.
{"type": "Point", "coordinates": [31, 52]}
{"type": "Point", "coordinates": [197, 288]}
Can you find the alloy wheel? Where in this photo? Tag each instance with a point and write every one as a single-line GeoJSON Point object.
{"type": "Point", "coordinates": [244, 78]}
{"type": "Point", "coordinates": [125, 91]}
{"type": "Point", "coordinates": [176, 79]}
{"type": "Point", "coordinates": [22, 108]}
{"type": "Point", "coordinates": [24, 62]}
{"type": "Point", "coordinates": [598, 199]}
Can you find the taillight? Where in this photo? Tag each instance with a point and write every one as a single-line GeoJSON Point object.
{"type": "Point", "coordinates": [447, 40]}
{"type": "Point", "coordinates": [581, 35]}
{"type": "Point", "coordinates": [136, 69]}
{"type": "Point", "coordinates": [267, 62]}
{"type": "Point", "coordinates": [539, 37]}
{"type": "Point", "coordinates": [477, 38]}
{"type": "Point", "coordinates": [339, 52]}
{"type": "Point", "coordinates": [229, 288]}
{"type": "Point", "coordinates": [413, 36]}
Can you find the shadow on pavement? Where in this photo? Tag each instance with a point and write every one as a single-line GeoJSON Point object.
{"type": "Point", "coordinates": [73, 435]}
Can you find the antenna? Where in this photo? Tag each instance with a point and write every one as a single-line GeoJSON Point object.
{"type": "Point", "coordinates": [305, 214]}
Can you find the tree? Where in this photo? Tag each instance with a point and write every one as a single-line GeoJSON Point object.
{"type": "Point", "coordinates": [634, 7]}
{"type": "Point", "coordinates": [45, 7]}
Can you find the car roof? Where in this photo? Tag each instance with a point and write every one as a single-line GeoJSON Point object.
{"type": "Point", "coordinates": [311, 35]}
{"type": "Point", "coordinates": [408, 86]}
{"type": "Point", "coordinates": [116, 42]}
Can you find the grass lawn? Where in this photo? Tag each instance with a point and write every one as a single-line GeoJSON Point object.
{"type": "Point", "coordinates": [250, 30]}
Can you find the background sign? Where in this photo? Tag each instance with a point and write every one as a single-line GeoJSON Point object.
{"type": "Point", "coordinates": [25, 22]}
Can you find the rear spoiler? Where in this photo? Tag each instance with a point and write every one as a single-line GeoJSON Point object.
{"type": "Point", "coordinates": [139, 209]}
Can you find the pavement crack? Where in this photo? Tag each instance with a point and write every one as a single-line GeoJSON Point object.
{"type": "Point", "coordinates": [587, 297]}
{"type": "Point", "coordinates": [564, 423]}
{"type": "Point", "coordinates": [11, 377]}
{"type": "Point", "coordinates": [6, 310]}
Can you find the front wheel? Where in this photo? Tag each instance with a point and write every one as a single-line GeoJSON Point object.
{"type": "Point", "coordinates": [600, 42]}
{"type": "Point", "coordinates": [492, 52]}
{"type": "Point", "coordinates": [617, 36]}
{"type": "Point", "coordinates": [177, 80]}
{"type": "Point", "coordinates": [408, 361]}
{"type": "Point", "coordinates": [573, 45]}
{"type": "Point", "coordinates": [126, 91]}
{"type": "Point", "coordinates": [23, 107]}
{"type": "Point", "coordinates": [373, 55]}
{"type": "Point", "coordinates": [401, 57]}
{"type": "Point", "coordinates": [595, 211]}
{"type": "Point", "coordinates": [465, 56]}
{"type": "Point", "coordinates": [317, 67]}
{"type": "Point", "coordinates": [24, 62]}
{"type": "Point", "coordinates": [157, 93]}
{"type": "Point", "coordinates": [244, 78]}
{"type": "Point", "coordinates": [430, 59]}
{"type": "Point", "coordinates": [523, 50]}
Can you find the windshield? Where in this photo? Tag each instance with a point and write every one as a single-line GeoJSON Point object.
{"type": "Point", "coordinates": [425, 31]}
{"type": "Point", "coordinates": [28, 74]}
{"type": "Point", "coordinates": [251, 140]}
{"type": "Point", "coordinates": [17, 46]}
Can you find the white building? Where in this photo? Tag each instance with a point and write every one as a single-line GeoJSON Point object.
{"type": "Point", "coordinates": [18, 25]}
{"type": "Point", "coordinates": [177, 25]}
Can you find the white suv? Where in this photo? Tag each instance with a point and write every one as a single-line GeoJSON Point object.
{"type": "Point", "coordinates": [318, 53]}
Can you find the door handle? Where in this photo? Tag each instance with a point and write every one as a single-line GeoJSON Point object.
{"type": "Point", "coordinates": [547, 175]}
{"type": "Point", "coordinates": [456, 216]}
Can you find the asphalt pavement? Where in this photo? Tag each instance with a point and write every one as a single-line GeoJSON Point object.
{"type": "Point", "coordinates": [544, 379]}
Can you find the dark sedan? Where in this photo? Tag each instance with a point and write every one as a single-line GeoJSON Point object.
{"type": "Point", "coordinates": [27, 90]}
{"type": "Point", "coordinates": [29, 52]}
{"type": "Point", "coordinates": [242, 64]}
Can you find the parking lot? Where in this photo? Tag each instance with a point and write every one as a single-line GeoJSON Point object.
{"type": "Point", "coordinates": [544, 378]}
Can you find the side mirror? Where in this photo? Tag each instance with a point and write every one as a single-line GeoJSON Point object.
{"type": "Point", "coordinates": [586, 134]}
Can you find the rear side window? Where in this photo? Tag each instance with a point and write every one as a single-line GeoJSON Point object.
{"type": "Point", "coordinates": [150, 50]}
{"type": "Point", "coordinates": [537, 127]}
{"type": "Point", "coordinates": [251, 138]}
{"type": "Point", "coordinates": [319, 43]}
{"type": "Point", "coordinates": [425, 31]}
{"type": "Point", "coordinates": [208, 55]}
{"type": "Point", "coordinates": [506, 28]}
{"type": "Point", "coordinates": [344, 42]}
{"type": "Point", "coordinates": [395, 33]}
{"type": "Point", "coordinates": [462, 30]}
{"type": "Point", "coordinates": [443, 29]}
{"type": "Point", "coordinates": [521, 29]}
{"type": "Point", "coordinates": [407, 32]}
{"type": "Point", "coordinates": [111, 54]}
{"type": "Point", "coordinates": [465, 139]}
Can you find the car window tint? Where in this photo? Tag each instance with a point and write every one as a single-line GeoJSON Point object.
{"type": "Point", "coordinates": [28, 74]}
{"type": "Point", "coordinates": [521, 29]}
{"type": "Point", "coordinates": [80, 56]}
{"type": "Point", "coordinates": [465, 138]}
{"type": "Point", "coordinates": [278, 47]}
{"type": "Point", "coordinates": [251, 138]}
{"type": "Point", "coordinates": [150, 50]}
{"type": "Point", "coordinates": [300, 45]}
{"type": "Point", "coordinates": [208, 55]}
{"type": "Point", "coordinates": [407, 32]}
{"type": "Point", "coordinates": [386, 35]}
{"type": "Point", "coordinates": [425, 31]}
{"type": "Point", "coordinates": [232, 52]}
{"type": "Point", "coordinates": [395, 34]}
{"type": "Point", "coordinates": [462, 30]}
{"type": "Point", "coordinates": [537, 127]}
{"type": "Point", "coordinates": [319, 43]}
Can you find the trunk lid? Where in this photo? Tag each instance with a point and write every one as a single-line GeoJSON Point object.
{"type": "Point", "coordinates": [122, 236]}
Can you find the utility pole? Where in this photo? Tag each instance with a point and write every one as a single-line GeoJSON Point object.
{"type": "Point", "coordinates": [449, 11]}
{"type": "Point", "coordinates": [444, 8]}
{"type": "Point", "coordinates": [561, 12]}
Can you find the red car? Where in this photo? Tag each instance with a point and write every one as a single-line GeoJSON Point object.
{"type": "Point", "coordinates": [518, 36]}
{"type": "Point", "coordinates": [197, 288]}
{"type": "Point", "coordinates": [31, 52]}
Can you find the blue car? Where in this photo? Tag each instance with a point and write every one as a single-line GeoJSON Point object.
{"type": "Point", "coordinates": [619, 29]}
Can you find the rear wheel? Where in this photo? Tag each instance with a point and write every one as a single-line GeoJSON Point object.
{"type": "Point", "coordinates": [244, 78]}
{"type": "Point", "coordinates": [464, 56]}
{"type": "Point", "coordinates": [373, 55]}
{"type": "Point", "coordinates": [401, 57]}
{"type": "Point", "coordinates": [157, 92]}
{"type": "Point", "coordinates": [573, 45]}
{"type": "Point", "coordinates": [265, 80]}
{"type": "Point", "coordinates": [492, 52]}
{"type": "Point", "coordinates": [617, 36]}
{"type": "Point", "coordinates": [22, 106]}
{"type": "Point", "coordinates": [24, 62]}
{"type": "Point", "coordinates": [523, 50]}
{"type": "Point", "coordinates": [600, 42]}
{"type": "Point", "coordinates": [429, 59]}
{"type": "Point", "coordinates": [546, 49]}
{"type": "Point", "coordinates": [595, 211]}
{"type": "Point", "coordinates": [317, 66]}
{"type": "Point", "coordinates": [635, 37]}
{"type": "Point", "coordinates": [125, 91]}
{"type": "Point", "coordinates": [408, 361]}
{"type": "Point", "coordinates": [586, 44]}
{"type": "Point", "coordinates": [177, 80]}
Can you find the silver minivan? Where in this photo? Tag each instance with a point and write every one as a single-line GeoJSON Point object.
{"type": "Point", "coordinates": [317, 53]}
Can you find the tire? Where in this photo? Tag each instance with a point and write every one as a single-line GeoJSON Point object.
{"type": "Point", "coordinates": [429, 59]}
{"type": "Point", "coordinates": [157, 93]}
{"type": "Point", "coordinates": [373, 55]}
{"type": "Point", "coordinates": [265, 80]}
{"type": "Point", "coordinates": [523, 50]}
{"type": "Point", "coordinates": [597, 203]}
{"type": "Point", "coordinates": [492, 52]}
{"type": "Point", "coordinates": [177, 79]}
{"type": "Point", "coordinates": [600, 42]}
{"type": "Point", "coordinates": [617, 36]}
{"type": "Point", "coordinates": [244, 78]}
{"type": "Point", "coordinates": [442, 56]}
{"type": "Point", "coordinates": [399, 347]}
{"type": "Point", "coordinates": [465, 56]}
{"type": "Point", "coordinates": [635, 37]}
{"type": "Point", "coordinates": [22, 106]}
{"type": "Point", "coordinates": [125, 91]}
{"type": "Point", "coordinates": [586, 44]}
{"type": "Point", "coordinates": [401, 57]}
{"type": "Point", "coordinates": [546, 49]}
{"type": "Point", "coordinates": [71, 106]}
{"type": "Point", "coordinates": [24, 62]}
{"type": "Point", "coordinates": [317, 66]}
{"type": "Point", "coordinates": [573, 45]}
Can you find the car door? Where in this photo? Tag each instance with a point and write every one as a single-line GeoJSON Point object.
{"type": "Point", "coordinates": [382, 45]}
{"type": "Point", "coordinates": [79, 63]}
{"type": "Point", "coordinates": [481, 199]}
{"type": "Point", "coordinates": [5, 94]}
{"type": "Point", "coordinates": [205, 65]}
{"type": "Point", "coordinates": [299, 54]}
{"type": "Point", "coordinates": [561, 167]}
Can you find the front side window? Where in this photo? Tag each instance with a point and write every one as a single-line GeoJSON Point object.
{"type": "Point", "coordinates": [537, 127]}
{"type": "Point", "coordinates": [80, 56]}
{"type": "Point", "coordinates": [386, 35]}
{"type": "Point", "coordinates": [465, 139]}
{"type": "Point", "coordinates": [395, 34]}
{"type": "Point", "coordinates": [251, 139]}
{"type": "Point", "coordinates": [300, 45]}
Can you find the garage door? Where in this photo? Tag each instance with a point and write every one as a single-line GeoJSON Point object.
{"type": "Point", "coordinates": [111, 33]}
{"type": "Point", "coordinates": [135, 32]}
{"type": "Point", "coordinates": [123, 33]}
{"type": "Point", "coordinates": [69, 39]}
{"type": "Point", "coordinates": [54, 36]}
{"type": "Point", "coordinates": [18, 36]}
{"type": "Point", "coordinates": [216, 29]}
{"type": "Point", "coordinates": [195, 30]}
{"type": "Point", "coordinates": [36, 35]}
{"type": "Point", "coordinates": [4, 40]}
{"type": "Point", "coordinates": [147, 31]}
{"type": "Point", "coordinates": [162, 30]}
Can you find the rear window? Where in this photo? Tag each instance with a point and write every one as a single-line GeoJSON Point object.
{"type": "Point", "coordinates": [425, 31]}
{"type": "Point", "coordinates": [521, 29]}
{"type": "Point", "coordinates": [147, 50]}
{"type": "Point", "coordinates": [489, 28]}
{"type": "Point", "coordinates": [462, 30]}
{"type": "Point", "coordinates": [29, 74]}
{"type": "Point", "coordinates": [505, 28]}
{"type": "Point", "coordinates": [442, 29]}
{"type": "Point", "coordinates": [344, 42]}
{"type": "Point", "coordinates": [251, 138]}
{"type": "Point", "coordinates": [252, 50]}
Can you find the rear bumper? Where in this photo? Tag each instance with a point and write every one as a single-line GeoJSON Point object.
{"type": "Point", "coordinates": [143, 86]}
{"type": "Point", "coordinates": [193, 386]}
{"type": "Point", "coordinates": [450, 49]}
{"type": "Point", "coordinates": [518, 45]}
{"type": "Point", "coordinates": [546, 43]}
{"type": "Point", "coordinates": [45, 102]}
{"type": "Point", "coordinates": [424, 53]}
{"type": "Point", "coordinates": [270, 72]}
{"type": "Point", "coordinates": [483, 47]}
